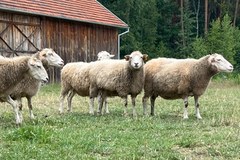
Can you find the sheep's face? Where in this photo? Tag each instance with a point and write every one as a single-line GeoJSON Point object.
{"type": "Point", "coordinates": [37, 70]}
{"type": "Point", "coordinates": [136, 59]}
{"type": "Point", "coordinates": [104, 55]}
{"type": "Point", "coordinates": [220, 63]}
{"type": "Point", "coordinates": [51, 58]}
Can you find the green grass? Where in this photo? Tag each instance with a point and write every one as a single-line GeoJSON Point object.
{"type": "Point", "coordinates": [78, 135]}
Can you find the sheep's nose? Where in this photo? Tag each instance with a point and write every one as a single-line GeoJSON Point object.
{"type": "Point", "coordinates": [136, 64]}
{"type": "Point", "coordinates": [45, 80]}
{"type": "Point", "coordinates": [230, 68]}
{"type": "Point", "coordinates": [61, 63]}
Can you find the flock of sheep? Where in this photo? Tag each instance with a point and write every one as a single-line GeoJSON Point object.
{"type": "Point", "coordinates": [165, 77]}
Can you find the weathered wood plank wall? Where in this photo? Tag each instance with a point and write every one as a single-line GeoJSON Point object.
{"type": "Point", "coordinates": [77, 41]}
{"type": "Point", "coordinates": [73, 41]}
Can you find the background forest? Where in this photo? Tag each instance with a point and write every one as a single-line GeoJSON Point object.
{"type": "Point", "coordinates": [180, 28]}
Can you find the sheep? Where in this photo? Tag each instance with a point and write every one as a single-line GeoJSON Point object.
{"type": "Point", "coordinates": [74, 79]}
{"type": "Point", "coordinates": [176, 79]}
{"type": "Point", "coordinates": [29, 86]}
{"type": "Point", "coordinates": [13, 70]}
{"type": "Point", "coordinates": [104, 55]}
{"type": "Point", "coordinates": [118, 78]}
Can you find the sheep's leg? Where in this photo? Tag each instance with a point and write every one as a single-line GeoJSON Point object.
{"type": "Point", "coordinates": [185, 114]}
{"type": "Point", "coordinates": [19, 100]}
{"type": "Point", "coordinates": [125, 106]}
{"type": "Point", "coordinates": [152, 99]}
{"type": "Point", "coordinates": [15, 108]}
{"type": "Point", "coordinates": [144, 102]}
{"type": "Point", "coordinates": [197, 107]}
{"type": "Point", "coordinates": [69, 100]}
{"type": "Point", "coordinates": [29, 99]}
{"type": "Point", "coordinates": [133, 106]}
{"type": "Point", "coordinates": [106, 106]}
{"type": "Point", "coordinates": [101, 98]}
{"type": "Point", "coordinates": [93, 92]}
{"type": "Point", "coordinates": [62, 97]}
{"type": "Point", "coordinates": [91, 106]}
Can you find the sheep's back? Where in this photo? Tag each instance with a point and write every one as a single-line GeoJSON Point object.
{"type": "Point", "coordinates": [75, 76]}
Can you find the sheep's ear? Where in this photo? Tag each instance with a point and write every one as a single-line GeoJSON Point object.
{"type": "Point", "coordinates": [211, 59]}
{"type": "Point", "coordinates": [127, 57]}
{"type": "Point", "coordinates": [111, 55]}
{"type": "Point", "coordinates": [32, 61]}
{"type": "Point", "coordinates": [145, 57]}
{"type": "Point", "coordinates": [44, 54]}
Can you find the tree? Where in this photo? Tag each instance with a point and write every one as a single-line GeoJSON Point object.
{"type": "Point", "coordinates": [235, 13]}
{"type": "Point", "coordinates": [167, 28]}
{"type": "Point", "coordinates": [196, 12]}
{"type": "Point", "coordinates": [206, 17]}
{"type": "Point", "coordinates": [221, 38]}
{"type": "Point", "coordinates": [186, 34]}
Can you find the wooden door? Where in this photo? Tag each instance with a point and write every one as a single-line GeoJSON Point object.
{"type": "Point", "coordinates": [19, 34]}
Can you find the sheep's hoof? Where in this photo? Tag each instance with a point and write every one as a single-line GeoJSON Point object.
{"type": "Point", "coordinates": [60, 111]}
{"type": "Point", "coordinates": [106, 112]}
{"type": "Point", "coordinates": [199, 117]}
{"type": "Point", "coordinates": [18, 122]}
{"type": "Point", "coordinates": [99, 113]}
{"type": "Point", "coordinates": [32, 117]}
{"type": "Point", "coordinates": [185, 117]}
{"type": "Point", "coordinates": [91, 113]}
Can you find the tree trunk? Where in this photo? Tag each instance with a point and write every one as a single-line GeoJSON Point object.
{"type": "Point", "coordinates": [206, 17]}
{"type": "Point", "coordinates": [182, 23]}
{"type": "Point", "coordinates": [196, 10]}
{"type": "Point", "coordinates": [236, 12]}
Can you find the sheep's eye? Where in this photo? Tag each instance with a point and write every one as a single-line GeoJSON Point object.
{"type": "Point", "coordinates": [39, 67]}
{"type": "Point", "coordinates": [219, 60]}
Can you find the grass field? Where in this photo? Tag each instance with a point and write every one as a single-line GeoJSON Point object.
{"type": "Point", "coordinates": [78, 135]}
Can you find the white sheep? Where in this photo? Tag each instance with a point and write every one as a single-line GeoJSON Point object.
{"type": "Point", "coordinates": [104, 55]}
{"type": "Point", "coordinates": [117, 78]}
{"type": "Point", "coordinates": [29, 86]}
{"type": "Point", "coordinates": [13, 70]}
{"type": "Point", "coordinates": [74, 79]}
{"type": "Point", "coordinates": [175, 79]}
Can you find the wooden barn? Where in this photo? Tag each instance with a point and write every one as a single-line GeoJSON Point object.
{"type": "Point", "coordinates": [76, 29]}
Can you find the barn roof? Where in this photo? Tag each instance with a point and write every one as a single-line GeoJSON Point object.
{"type": "Point", "coordinates": [90, 11]}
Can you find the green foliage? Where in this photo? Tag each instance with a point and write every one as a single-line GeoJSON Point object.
{"type": "Point", "coordinates": [199, 48]}
{"type": "Point", "coordinates": [186, 35]}
{"type": "Point", "coordinates": [155, 28]}
{"type": "Point", "coordinates": [39, 134]}
{"type": "Point", "coordinates": [162, 51]}
{"type": "Point", "coordinates": [221, 38]}
{"type": "Point", "coordinates": [167, 26]}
